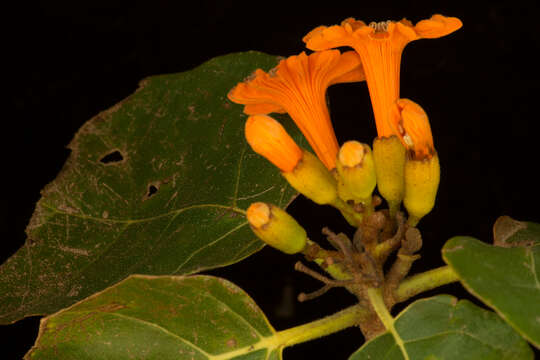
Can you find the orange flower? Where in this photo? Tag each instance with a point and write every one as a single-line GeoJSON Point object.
{"type": "Point", "coordinates": [380, 46]}
{"type": "Point", "coordinates": [268, 138]}
{"type": "Point", "coordinates": [413, 129]}
{"type": "Point", "coordinates": [298, 86]}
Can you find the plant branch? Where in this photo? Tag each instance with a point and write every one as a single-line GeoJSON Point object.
{"type": "Point", "coordinates": [425, 281]}
{"type": "Point", "coordinates": [346, 318]}
{"type": "Point", "coordinates": [325, 260]}
{"type": "Point", "coordinates": [376, 300]}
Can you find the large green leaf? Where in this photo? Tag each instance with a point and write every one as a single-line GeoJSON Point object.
{"type": "Point", "coordinates": [155, 185]}
{"type": "Point", "coordinates": [166, 317]}
{"type": "Point", "coordinates": [442, 328]}
{"type": "Point", "coordinates": [505, 276]}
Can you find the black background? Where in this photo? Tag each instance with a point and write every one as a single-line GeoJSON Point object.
{"type": "Point", "coordinates": [66, 61]}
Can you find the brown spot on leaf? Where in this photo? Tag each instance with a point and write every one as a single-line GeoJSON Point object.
{"type": "Point", "coordinates": [232, 343]}
{"type": "Point", "coordinates": [504, 228]}
{"type": "Point", "coordinates": [114, 306]}
{"type": "Point", "coordinates": [68, 209]}
{"type": "Point", "coordinates": [75, 251]}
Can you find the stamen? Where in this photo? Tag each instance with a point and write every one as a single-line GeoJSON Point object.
{"type": "Point", "coordinates": [381, 26]}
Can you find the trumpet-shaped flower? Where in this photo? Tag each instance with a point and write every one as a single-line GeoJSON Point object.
{"type": "Point", "coordinates": [380, 46]}
{"type": "Point", "coordinates": [298, 86]}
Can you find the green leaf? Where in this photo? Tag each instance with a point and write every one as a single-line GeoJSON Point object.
{"type": "Point", "coordinates": [160, 317]}
{"type": "Point", "coordinates": [505, 277]}
{"type": "Point", "coordinates": [442, 328]}
{"type": "Point", "coordinates": [155, 185]}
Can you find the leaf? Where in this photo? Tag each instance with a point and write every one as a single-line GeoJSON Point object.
{"type": "Point", "coordinates": [155, 185]}
{"type": "Point", "coordinates": [506, 277]}
{"type": "Point", "coordinates": [160, 317]}
{"type": "Point", "coordinates": [442, 328]}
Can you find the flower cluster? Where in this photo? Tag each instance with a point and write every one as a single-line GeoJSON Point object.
{"type": "Point", "coordinates": [403, 163]}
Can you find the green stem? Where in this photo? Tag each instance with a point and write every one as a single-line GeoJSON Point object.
{"type": "Point", "coordinates": [393, 207]}
{"type": "Point", "coordinates": [345, 318]}
{"type": "Point", "coordinates": [337, 271]}
{"type": "Point", "coordinates": [334, 270]}
{"type": "Point", "coordinates": [376, 300]}
{"type": "Point", "coordinates": [425, 281]}
{"type": "Point", "coordinates": [352, 217]}
{"type": "Point", "coordinates": [412, 221]}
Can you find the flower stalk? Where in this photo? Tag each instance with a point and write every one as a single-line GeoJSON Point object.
{"type": "Point", "coordinates": [343, 319]}
{"type": "Point", "coordinates": [425, 281]}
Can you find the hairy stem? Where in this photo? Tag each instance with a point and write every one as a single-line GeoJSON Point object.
{"type": "Point", "coordinates": [324, 259]}
{"type": "Point", "coordinates": [345, 318]}
{"type": "Point", "coordinates": [425, 281]}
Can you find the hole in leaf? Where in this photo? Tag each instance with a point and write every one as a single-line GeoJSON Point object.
{"type": "Point", "coordinates": [152, 190]}
{"type": "Point", "coordinates": [113, 157]}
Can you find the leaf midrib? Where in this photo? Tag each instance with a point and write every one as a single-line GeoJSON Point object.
{"type": "Point", "coordinates": [127, 223]}
{"type": "Point", "coordinates": [268, 342]}
{"type": "Point", "coordinates": [445, 333]}
{"type": "Point", "coordinates": [141, 220]}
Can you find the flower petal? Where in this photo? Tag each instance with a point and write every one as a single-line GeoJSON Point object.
{"type": "Point", "coordinates": [437, 26]}
{"type": "Point", "coordinates": [414, 129]}
{"type": "Point", "coordinates": [298, 86]}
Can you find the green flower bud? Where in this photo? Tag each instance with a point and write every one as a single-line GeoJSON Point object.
{"type": "Point", "coordinates": [421, 184]}
{"type": "Point", "coordinates": [389, 155]}
{"type": "Point", "coordinates": [276, 228]}
{"type": "Point", "coordinates": [356, 172]}
{"type": "Point", "coordinates": [312, 179]}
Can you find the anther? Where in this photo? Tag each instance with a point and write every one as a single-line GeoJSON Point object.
{"type": "Point", "coordinates": [381, 26]}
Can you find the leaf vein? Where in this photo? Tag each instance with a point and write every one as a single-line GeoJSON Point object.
{"type": "Point", "coordinates": [461, 332]}
{"type": "Point", "coordinates": [208, 295]}
{"type": "Point", "coordinates": [238, 172]}
{"type": "Point", "coordinates": [209, 244]}
{"type": "Point", "coordinates": [134, 221]}
{"type": "Point", "coordinates": [156, 326]}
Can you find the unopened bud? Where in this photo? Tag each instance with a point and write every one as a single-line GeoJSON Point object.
{"type": "Point", "coordinates": [421, 184]}
{"type": "Point", "coordinates": [276, 228]}
{"type": "Point", "coordinates": [312, 179]}
{"type": "Point", "coordinates": [356, 172]}
{"type": "Point", "coordinates": [268, 138]}
{"type": "Point", "coordinates": [414, 130]}
{"type": "Point", "coordinates": [389, 156]}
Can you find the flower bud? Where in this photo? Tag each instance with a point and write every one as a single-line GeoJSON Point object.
{"type": "Point", "coordinates": [304, 171]}
{"type": "Point", "coordinates": [421, 183]}
{"type": "Point", "coordinates": [389, 156]}
{"type": "Point", "coordinates": [413, 126]}
{"type": "Point", "coordinates": [312, 179]}
{"type": "Point", "coordinates": [268, 138]}
{"type": "Point", "coordinates": [356, 172]}
{"type": "Point", "coordinates": [276, 228]}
